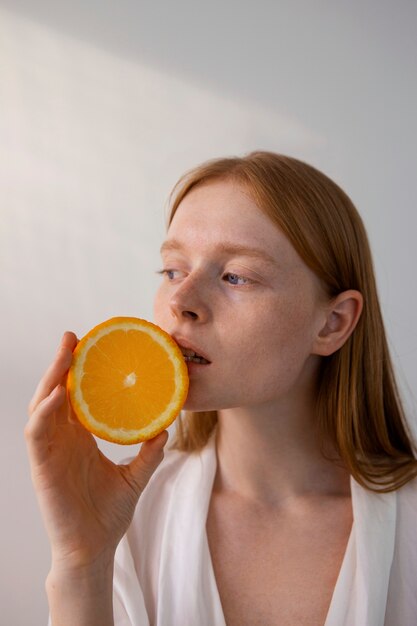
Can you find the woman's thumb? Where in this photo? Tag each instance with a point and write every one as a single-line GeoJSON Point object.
{"type": "Point", "coordinates": [145, 463]}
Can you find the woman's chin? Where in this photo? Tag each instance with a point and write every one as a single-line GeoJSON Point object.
{"type": "Point", "coordinates": [199, 405]}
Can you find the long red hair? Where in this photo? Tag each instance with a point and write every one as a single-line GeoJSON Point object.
{"type": "Point", "coordinates": [359, 408]}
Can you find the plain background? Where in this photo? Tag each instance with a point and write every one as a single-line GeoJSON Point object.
{"type": "Point", "coordinates": [103, 105]}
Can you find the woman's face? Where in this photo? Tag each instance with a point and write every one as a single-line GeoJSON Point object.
{"type": "Point", "coordinates": [235, 290]}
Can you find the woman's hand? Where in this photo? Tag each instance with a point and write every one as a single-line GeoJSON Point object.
{"type": "Point", "coordinates": [87, 502]}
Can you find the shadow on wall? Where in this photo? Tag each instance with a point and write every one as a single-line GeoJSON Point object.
{"type": "Point", "coordinates": [279, 53]}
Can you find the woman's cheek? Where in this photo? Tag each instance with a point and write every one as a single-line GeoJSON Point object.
{"type": "Point", "coordinates": [160, 308]}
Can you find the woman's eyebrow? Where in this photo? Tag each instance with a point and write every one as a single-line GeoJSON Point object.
{"type": "Point", "coordinates": [228, 248]}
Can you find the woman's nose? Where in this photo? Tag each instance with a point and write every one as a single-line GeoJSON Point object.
{"type": "Point", "coordinates": [188, 302]}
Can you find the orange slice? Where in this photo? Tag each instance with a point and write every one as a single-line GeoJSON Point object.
{"type": "Point", "coordinates": [128, 380]}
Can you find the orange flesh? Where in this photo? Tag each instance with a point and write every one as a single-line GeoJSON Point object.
{"type": "Point", "coordinates": [130, 388]}
{"type": "Point", "coordinates": [128, 380]}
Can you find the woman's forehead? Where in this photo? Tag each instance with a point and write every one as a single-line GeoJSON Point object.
{"type": "Point", "coordinates": [223, 216]}
{"type": "Point", "coordinates": [223, 208]}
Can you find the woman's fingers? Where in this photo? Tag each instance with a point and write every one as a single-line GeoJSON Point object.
{"type": "Point", "coordinates": [145, 463]}
{"type": "Point", "coordinates": [40, 428]}
{"type": "Point", "coordinates": [56, 371]}
{"type": "Point", "coordinates": [48, 406]}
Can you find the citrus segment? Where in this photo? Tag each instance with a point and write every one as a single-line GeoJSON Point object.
{"type": "Point", "coordinates": [128, 380]}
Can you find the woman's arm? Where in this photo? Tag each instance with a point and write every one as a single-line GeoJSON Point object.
{"type": "Point", "coordinates": [87, 502]}
{"type": "Point", "coordinates": [82, 596]}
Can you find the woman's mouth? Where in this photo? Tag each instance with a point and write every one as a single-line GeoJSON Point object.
{"type": "Point", "coordinates": [192, 357]}
{"type": "Point", "coordinates": [191, 351]}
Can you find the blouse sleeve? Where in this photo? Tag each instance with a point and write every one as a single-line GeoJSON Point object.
{"type": "Point", "coordinates": [402, 595]}
{"type": "Point", "coordinates": [128, 601]}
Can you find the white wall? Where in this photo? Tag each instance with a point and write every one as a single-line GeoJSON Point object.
{"type": "Point", "coordinates": [103, 106]}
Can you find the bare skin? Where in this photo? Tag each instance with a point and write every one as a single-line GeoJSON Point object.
{"type": "Point", "coordinates": [265, 327]}
{"type": "Point", "coordinates": [276, 554]}
{"type": "Point", "coordinates": [277, 564]}
{"type": "Point", "coordinates": [87, 502]}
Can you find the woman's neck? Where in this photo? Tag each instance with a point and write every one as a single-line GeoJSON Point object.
{"type": "Point", "coordinates": [271, 457]}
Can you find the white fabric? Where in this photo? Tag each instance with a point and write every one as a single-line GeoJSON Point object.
{"type": "Point", "coordinates": [164, 574]}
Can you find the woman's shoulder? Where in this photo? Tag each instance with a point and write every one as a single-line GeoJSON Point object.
{"type": "Point", "coordinates": [170, 486]}
{"type": "Point", "coordinates": [402, 598]}
{"type": "Point", "coordinates": [405, 526]}
{"type": "Point", "coordinates": [173, 459]}
{"type": "Point", "coordinates": [407, 502]}
{"type": "Point", "coordinates": [168, 471]}
{"type": "Point", "coordinates": [180, 468]}
{"type": "Point", "coordinates": [171, 478]}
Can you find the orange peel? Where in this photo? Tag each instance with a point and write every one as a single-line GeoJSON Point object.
{"type": "Point", "coordinates": [128, 380]}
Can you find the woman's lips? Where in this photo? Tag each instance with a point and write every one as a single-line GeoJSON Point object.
{"type": "Point", "coordinates": [195, 359]}
{"type": "Point", "coordinates": [192, 353]}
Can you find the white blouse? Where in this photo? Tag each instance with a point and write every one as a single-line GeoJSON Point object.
{"type": "Point", "coordinates": [164, 574]}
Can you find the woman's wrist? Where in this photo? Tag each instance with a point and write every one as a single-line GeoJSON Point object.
{"type": "Point", "coordinates": [81, 594]}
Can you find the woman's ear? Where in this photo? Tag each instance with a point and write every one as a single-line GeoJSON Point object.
{"type": "Point", "coordinates": [342, 315]}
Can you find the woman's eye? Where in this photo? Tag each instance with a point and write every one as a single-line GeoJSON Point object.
{"type": "Point", "coordinates": [235, 279]}
{"type": "Point", "coordinates": [168, 273]}
{"type": "Point", "coordinates": [231, 278]}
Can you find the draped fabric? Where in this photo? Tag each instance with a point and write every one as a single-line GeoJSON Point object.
{"type": "Point", "coordinates": [164, 574]}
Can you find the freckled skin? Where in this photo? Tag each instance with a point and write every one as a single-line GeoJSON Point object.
{"type": "Point", "coordinates": [260, 334]}
{"type": "Point", "coordinates": [264, 327]}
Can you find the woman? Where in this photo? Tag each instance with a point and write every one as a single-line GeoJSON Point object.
{"type": "Point", "coordinates": [289, 492]}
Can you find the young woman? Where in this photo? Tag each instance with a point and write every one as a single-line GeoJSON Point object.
{"type": "Point", "coordinates": [288, 495]}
